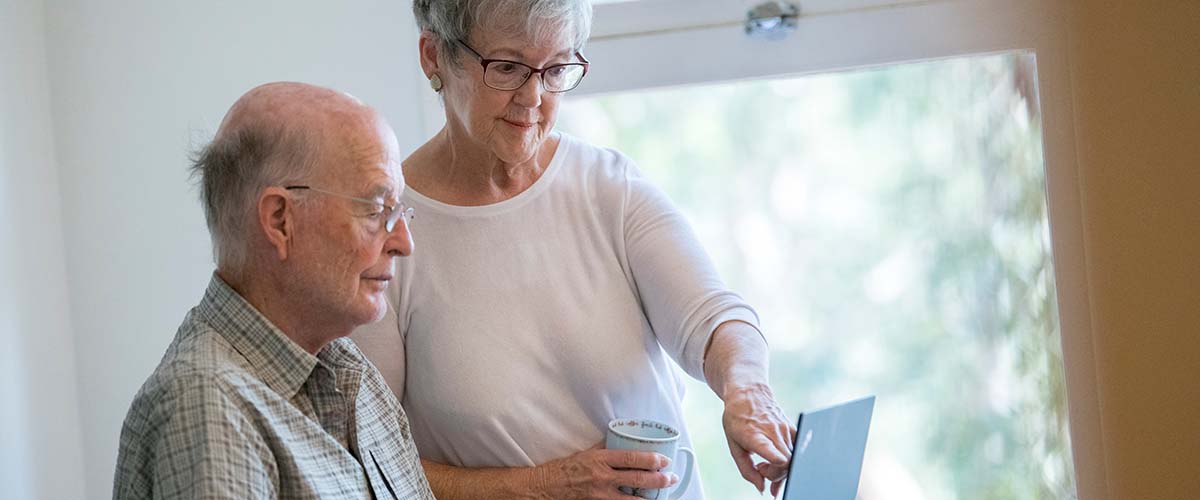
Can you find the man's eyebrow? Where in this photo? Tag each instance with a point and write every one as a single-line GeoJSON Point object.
{"type": "Point", "coordinates": [387, 191]}
{"type": "Point", "coordinates": [380, 190]}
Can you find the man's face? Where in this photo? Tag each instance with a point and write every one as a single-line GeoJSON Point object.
{"type": "Point", "coordinates": [344, 254]}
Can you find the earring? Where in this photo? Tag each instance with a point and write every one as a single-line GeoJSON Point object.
{"type": "Point", "coordinates": [435, 82]}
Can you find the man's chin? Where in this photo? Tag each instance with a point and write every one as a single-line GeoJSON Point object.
{"type": "Point", "coordinates": [379, 314]}
{"type": "Point", "coordinates": [374, 308]}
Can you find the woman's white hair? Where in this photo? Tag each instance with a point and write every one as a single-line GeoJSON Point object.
{"type": "Point", "coordinates": [538, 20]}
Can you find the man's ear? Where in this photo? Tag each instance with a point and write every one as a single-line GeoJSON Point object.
{"type": "Point", "coordinates": [428, 49]}
{"type": "Point", "coordinates": [276, 219]}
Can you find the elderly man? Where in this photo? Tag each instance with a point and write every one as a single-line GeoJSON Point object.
{"type": "Point", "coordinates": [259, 395]}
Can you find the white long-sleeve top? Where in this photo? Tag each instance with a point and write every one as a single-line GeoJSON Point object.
{"type": "Point", "coordinates": [519, 329]}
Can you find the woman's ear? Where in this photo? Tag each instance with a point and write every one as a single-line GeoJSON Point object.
{"type": "Point", "coordinates": [429, 48]}
{"type": "Point", "coordinates": [276, 219]}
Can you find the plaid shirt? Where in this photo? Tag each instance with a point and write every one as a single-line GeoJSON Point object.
{"type": "Point", "coordinates": [237, 410]}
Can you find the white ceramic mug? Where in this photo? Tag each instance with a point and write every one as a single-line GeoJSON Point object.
{"type": "Point", "coordinates": [640, 434]}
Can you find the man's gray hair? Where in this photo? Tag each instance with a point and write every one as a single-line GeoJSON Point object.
{"type": "Point", "coordinates": [233, 169]}
{"type": "Point", "coordinates": [539, 20]}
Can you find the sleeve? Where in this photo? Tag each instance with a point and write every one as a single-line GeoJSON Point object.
{"type": "Point", "coordinates": [206, 447]}
{"type": "Point", "coordinates": [681, 294]}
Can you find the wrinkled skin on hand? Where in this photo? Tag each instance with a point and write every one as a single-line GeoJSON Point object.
{"type": "Point", "coordinates": [596, 473]}
{"type": "Point", "coordinates": [755, 425]}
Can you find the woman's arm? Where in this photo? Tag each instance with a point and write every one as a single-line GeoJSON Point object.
{"type": "Point", "coordinates": [453, 483]}
{"type": "Point", "coordinates": [708, 329]}
{"type": "Point", "coordinates": [735, 365]}
{"type": "Point", "coordinates": [589, 474]}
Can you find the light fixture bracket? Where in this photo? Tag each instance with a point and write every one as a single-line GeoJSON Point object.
{"type": "Point", "coordinates": [772, 20]}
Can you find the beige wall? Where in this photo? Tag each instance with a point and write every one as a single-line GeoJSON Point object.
{"type": "Point", "coordinates": [1136, 82]}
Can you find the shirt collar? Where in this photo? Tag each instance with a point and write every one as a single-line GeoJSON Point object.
{"type": "Point", "coordinates": [281, 363]}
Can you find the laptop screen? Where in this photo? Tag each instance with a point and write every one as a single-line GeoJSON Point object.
{"type": "Point", "coordinates": [828, 455]}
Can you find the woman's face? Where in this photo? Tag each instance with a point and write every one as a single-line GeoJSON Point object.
{"type": "Point", "coordinates": [510, 124]}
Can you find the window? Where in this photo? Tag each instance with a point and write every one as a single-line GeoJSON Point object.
{"type": "Point", "coordinates": [654, 61]}
{"type": "Point", "coordinates": [698, 48]}
{"type": "Point", "coordinates": [890, 226]}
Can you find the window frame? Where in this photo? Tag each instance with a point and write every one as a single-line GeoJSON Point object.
{"type": "Point", "coordinates": [631, 41]}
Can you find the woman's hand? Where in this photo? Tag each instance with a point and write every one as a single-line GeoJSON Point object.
{"type": "Point", "coordinates": [596, 473]}
{"type": "Point", "coordinates": [754, 424]}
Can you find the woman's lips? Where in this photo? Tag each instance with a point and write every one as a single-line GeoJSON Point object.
{"type": "Point", "coordinates": [519, 124]}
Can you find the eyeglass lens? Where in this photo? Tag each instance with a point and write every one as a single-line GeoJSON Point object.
{"type": "Point", "coordinates": [505, 75]}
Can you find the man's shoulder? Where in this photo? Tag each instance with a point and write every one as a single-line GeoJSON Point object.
{"type": "Point", "coordinates": [195, 398]}
{"type": "Point", "coordinates": [199, 367]}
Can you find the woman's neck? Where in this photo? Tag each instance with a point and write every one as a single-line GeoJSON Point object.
{"type": "Point", "coordinates": [457, 171]}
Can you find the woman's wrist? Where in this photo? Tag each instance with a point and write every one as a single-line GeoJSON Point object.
{"type": "Point", "coordinates": [742, 389]}
{"type": "Point", "coordinates": [736, 360]}
{"type": "Point", "coordinates": [539, 481]}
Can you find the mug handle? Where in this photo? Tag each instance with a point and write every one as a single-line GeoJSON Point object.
{"type": "Point", "coordinates": [686, 479]}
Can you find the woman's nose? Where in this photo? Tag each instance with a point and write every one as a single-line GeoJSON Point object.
{"type": "Point", "coordinates": [530, 94]}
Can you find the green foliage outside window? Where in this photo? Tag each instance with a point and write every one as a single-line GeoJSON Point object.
{"type": "Point", "coordinates": [890, 227]}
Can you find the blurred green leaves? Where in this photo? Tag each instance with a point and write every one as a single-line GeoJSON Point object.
{"type": "Point", "coordinates": [890, 227]}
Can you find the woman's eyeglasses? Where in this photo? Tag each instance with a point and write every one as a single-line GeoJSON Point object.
{"type": "Point", "coordinates": [501, 74]}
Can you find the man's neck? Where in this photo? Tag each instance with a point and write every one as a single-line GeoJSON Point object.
{"type": "Point", "coordinates": [310, 331]}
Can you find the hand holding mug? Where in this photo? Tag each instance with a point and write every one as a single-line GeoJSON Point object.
{"type": "Point", "coordinates": [640, 434]}
{"type": "Point", "coordinates": [598, 473]}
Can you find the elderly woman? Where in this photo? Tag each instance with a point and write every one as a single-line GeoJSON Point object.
{"type": "Point", "coordinates": [553, 282]}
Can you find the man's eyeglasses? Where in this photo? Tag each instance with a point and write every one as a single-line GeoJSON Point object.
{"type": "Point", "coordinates": [390, 213]}
{"type": "Point", "coordinates": [501, 74]}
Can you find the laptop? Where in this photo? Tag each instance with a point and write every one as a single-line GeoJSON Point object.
{"type": "Point", "coordinates": [828, 454]}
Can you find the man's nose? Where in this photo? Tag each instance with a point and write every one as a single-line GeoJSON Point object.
{"type": "Point", "coordinates": [399, 242]}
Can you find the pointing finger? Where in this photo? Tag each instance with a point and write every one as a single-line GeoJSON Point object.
{"type": "Point", "coordinates": [746, 466]}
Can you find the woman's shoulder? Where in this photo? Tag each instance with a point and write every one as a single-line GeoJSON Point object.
{"type": "Point", "coordinates": [594, 162]}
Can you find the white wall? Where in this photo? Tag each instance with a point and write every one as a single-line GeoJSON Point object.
{"type": "Point", "coordinates": [138, 83]}
{"type": "Point", "coordinates": [40, 446]}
